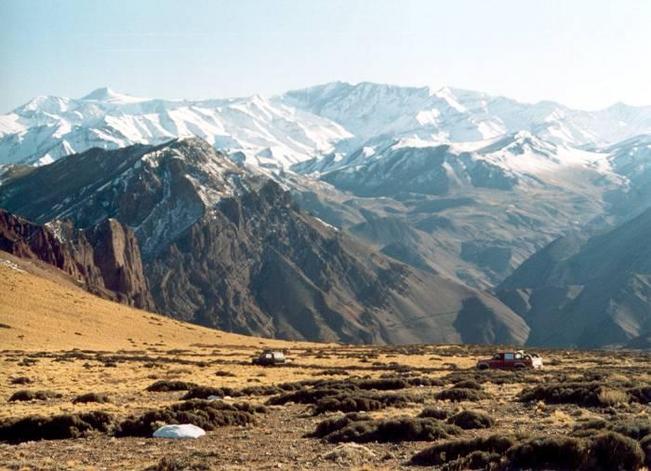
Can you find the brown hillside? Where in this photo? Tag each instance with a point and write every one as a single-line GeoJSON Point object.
{"type": "Point", "coordinates": [42, 309]}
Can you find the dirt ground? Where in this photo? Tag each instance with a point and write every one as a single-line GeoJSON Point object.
{"type": "Point", "coordinates": [277, 438]}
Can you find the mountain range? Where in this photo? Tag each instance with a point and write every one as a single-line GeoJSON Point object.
{"type": "Point", "coordinates": [381, 213]}
{"type": "Point", "coordinates": [226, 248]}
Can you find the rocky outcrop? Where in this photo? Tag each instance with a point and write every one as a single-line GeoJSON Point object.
{"type": "Point", "coordinates": [104, 258]}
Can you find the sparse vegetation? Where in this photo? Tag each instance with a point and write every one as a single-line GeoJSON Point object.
{"type": "Point", "coordinates": [167, 385]}
{"type": "Point", "coordinates": [354, 402]}
{"type": "Point", "coordinates": [91, 397]}
{"type": "Point", "coordinates": [452, 450]}
{"type": "Point", "coordinates": [552, 452]}
{"type": "Point", "coordinates": [204, 414]}
{"type": "Point", "coordinates": [610, 451]}
{"type": "Point", "coordinates": [392, 430]}
{"type": "Point", "coordinates": [21, 380]}
{"type": "Point", "coordinates": [326, 394]}
{"type": "Point", "coordinates": [583, 394]}
{"type": "Point", "coordinates": [434, 413]}
{"type": "Point", "coordinates": [25, 395]}
{"type": "Point", "coordinates": [645, 445]}
{"type": "Point", "coordinates": [469, 419]}
{"type": "Point", "coordinates": [328, 426]}
{"type": "Point", "coordinates": [461, 394]}
{"type": "Point", "coordinates": [57, 427]}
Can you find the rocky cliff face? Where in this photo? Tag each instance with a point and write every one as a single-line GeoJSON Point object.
{"type": "Point", "coordinates": [104, 258]}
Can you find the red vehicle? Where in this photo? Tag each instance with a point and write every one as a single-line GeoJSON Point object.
{"type": "Point", "coordinates": [511, 360]}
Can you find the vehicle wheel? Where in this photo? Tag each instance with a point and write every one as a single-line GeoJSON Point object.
{"type": "Point", "coordinates": [482, 366]}
{"type": "Point", "coordinates": [519, 367]}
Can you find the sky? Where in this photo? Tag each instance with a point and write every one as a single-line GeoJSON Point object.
{"type": "Point", "coordinates": [586, 54]}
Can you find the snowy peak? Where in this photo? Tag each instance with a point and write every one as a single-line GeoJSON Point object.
{"type": "Point", "coordinates": [519, 143]}
{"type": "Point", "coordinates": [108, 95]}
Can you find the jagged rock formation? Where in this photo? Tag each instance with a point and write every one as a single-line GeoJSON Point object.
{"type": "Point", "coordinates": [104, 258]}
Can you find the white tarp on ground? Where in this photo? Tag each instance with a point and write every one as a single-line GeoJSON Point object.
{"type": "Point", "coordinates": [179, 431]}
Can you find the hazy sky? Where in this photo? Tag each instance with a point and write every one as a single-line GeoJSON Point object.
{"type": "Point", "coordinates": [584, 53]}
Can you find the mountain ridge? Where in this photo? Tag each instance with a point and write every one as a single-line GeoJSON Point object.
{"type": "Point", "coordinates": [226, 247]}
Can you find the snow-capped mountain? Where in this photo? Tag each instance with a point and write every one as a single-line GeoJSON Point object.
{"type": "Point", "coordinates": [267, 133]}
{"type": "Point", "coordinates": [455, 115]}
{"type": "Point", "coordinates": [406, 164]}
{"type": "Point", "coordinates": [301, 124]}
{"type": "Point", "coordinates": [474, 210]}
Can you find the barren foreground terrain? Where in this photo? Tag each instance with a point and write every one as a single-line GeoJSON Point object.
{"type": "Point", "coordinates": [109, 375]}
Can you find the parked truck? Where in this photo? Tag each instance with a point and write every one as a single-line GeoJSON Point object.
{"type": "Point", "coordinates": [511, 360]}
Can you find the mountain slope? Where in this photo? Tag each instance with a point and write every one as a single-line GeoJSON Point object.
{"type": "Point", "coordinates": [227, 248]}
{"type": "Point", "coordinates": [587, 293]}
{"type": "Point", "coordinates": [474, 211]}
{"type": "Point", "coordinates": [42, 309]}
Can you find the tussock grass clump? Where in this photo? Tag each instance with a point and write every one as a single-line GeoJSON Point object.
{"type": "Point", "coordinates": [346, 403]}
{"type": "Point", "coordinates": [91, 397]}
{"type": "Point", "coordinates": [165, 385]}
{"type": "Point", "coordinates": [553, 452]}
{"type": "Point", "coordinates": [636, 428]}
{"type": "Point", "coordinates": [469, 419]}
{"type": "Point", "coordinates": [461, 394]}
{"type": "Point", "coordinates": [434, 413]}
{"type": "Point", "coordinates": [25, 395]}
{"type": "Point", "coordinates": [382, 384]}
{"type": "Point", "coordinates": [483, 460]}
{"type": "Point", "coordinates": [331, 372]}
{"type": "Point", "coordinates": [57, 427]}
{"type": "Point", "coordinates": [167, 463]}
{"type": "Point", "coordinates": [204, 392]}
{"type": "Point", "coordinates": [20, 380]}
{"type": "Point", "coordinates": [611, 450]}
{"type": "Point", "coordinates": [303, 396]}
{"type": "Point", "coordinates": [486, 376]}
{"type": "Point", "coordinates": [451, 450]}
{"type": "Point", "coordinates": [401, 429]}
{"type": "Point", "coordinates": [354, 402]}
{"type": "Point", "coordinates": [205, 414]}
{"type": "Point", "coordinates": [645, 444]}
{"type": "Point", "coordinates": [641, 394]}
{"type": "Point", "coordinates": [582, 394]}
{"type": "Point", "coordinates": [330, 425]}
{"type": "Point", "coordinates": [225, 374]}
{"type": "Point", "coordinates": [612, 397]}
{"type": "Point", "coordinates": [468, 384]}
{"type": "Point", "coordinates": [603, 452]}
